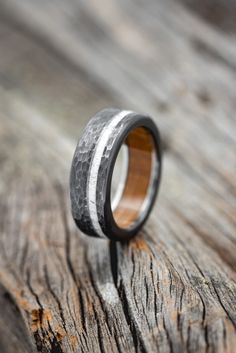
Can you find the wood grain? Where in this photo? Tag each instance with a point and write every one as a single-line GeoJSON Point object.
{"type": "Point", "coordinates": [141, 154]}
{"type": "Point", "coordinates": [173, 288]}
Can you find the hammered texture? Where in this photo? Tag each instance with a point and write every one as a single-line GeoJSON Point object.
{"type": "Point", "coordinates": [81, 166]}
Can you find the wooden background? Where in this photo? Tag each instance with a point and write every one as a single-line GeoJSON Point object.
{"type": "Point", "coordinates": [173, 288]}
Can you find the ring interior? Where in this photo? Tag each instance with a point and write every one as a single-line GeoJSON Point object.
{"type": "Point", "coordinates": [136, 192]}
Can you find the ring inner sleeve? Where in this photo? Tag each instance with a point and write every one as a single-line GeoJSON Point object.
{"type": "Point", "coordinates": [140, 150]}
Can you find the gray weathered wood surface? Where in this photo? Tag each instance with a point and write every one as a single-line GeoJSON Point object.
{"type": "Point", "coordinates": [173, 288]}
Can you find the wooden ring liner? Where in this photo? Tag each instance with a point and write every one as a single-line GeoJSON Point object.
{"type": "Point", "coordinates": [140, 151]}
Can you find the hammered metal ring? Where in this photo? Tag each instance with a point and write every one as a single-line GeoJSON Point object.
{"type": "Point", "coordinates": [95, 210]}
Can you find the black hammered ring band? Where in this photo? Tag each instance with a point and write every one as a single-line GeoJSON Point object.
{"type": "Point", "coordinates": [92, 173]}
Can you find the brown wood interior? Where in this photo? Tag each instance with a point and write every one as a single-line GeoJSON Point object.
{"type": "Point", "coordinates": [141, 146]}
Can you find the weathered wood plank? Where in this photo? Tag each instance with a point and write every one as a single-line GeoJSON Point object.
{"type": "Point", "coordinates": [62, 300]}
{"type": "Point", "coordinates": [172, 289]}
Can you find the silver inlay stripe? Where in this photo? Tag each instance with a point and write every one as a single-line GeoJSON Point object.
{"type": "Point", "coordinates": [95, 164]}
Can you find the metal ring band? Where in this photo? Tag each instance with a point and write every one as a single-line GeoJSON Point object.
{"type": "Point", "coordinates": [92, 169]}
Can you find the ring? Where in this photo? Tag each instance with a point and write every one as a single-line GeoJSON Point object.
{"type": "Point", "coordinates": [96, 209]}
